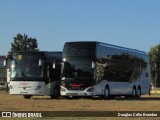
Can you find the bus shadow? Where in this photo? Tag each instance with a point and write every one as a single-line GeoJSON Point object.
{"type": "Point", "coordinates": [150, 98]}
{"type": "Point", "coordinates": [145, 98]}
{"type": "Point", "coordinates": [119, 98]}
{"type": "Point", "coordinates": [142, 98]}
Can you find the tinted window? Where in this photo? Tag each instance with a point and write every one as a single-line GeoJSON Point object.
{"type": "Point", "coordinates": [26, 66]}
{"type": "Point", "coordinates": [119, 65]}
{"type": "Point", "coordinates": [79, 49]}
{"type": "Point", "coordinates": [77, 68]}
{"type": "Point", "coordinates": [116, 70]}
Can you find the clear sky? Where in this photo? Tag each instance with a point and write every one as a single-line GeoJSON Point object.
{"type": "Point", "coordinates": [128, 23]}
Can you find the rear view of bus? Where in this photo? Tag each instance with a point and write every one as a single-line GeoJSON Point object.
{"type": "Point", "coordinates": [77, 74]}
{"type": "Point", "coordinates": [32, 73]}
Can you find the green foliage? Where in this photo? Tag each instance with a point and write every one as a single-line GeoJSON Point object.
{"type": "Point", "coordinates": [23, 43]}
{"type": "Point", "coordinates": [154, 60]}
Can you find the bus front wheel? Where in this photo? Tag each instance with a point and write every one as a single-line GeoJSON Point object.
{"type": "Point", "coordinates": [56, 93]}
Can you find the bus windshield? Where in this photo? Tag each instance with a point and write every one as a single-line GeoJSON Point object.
{"type": "Point", "coordinates": [77, 70]}
{"type": "Point", "coordinates": [26, 66]}
{"type": "Point", "coordinates": [79, 50]}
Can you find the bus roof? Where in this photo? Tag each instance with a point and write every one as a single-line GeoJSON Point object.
{"type": "Point", "coordinates": [111, 46]}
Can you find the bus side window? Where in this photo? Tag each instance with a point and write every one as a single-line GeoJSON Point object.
{"type": "Point", "coordinates": [100, 71]}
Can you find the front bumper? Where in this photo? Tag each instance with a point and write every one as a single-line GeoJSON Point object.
{"type": "Point", "coordinates": [86, 92]}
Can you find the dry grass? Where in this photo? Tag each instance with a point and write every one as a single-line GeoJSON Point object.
{"type": "Point", "coordinates": [44, 103]}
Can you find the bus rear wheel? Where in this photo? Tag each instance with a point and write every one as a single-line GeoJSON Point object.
{"type": "Point", "coordinates": [138, 95]}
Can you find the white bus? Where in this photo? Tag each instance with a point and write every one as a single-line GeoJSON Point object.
{"type": "Point", "coordinates": [99, 69]}
{"type": "Point", "coordinates": [35, 73]}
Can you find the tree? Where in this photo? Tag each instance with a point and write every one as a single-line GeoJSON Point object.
{"type": "Point", "coordinates": [23, 43]}
{"type": "Point", "coordinates": [154, 60]}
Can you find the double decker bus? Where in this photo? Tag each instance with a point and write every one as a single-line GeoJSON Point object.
{"type": "Point", "coordinates": [35, 73]}
{"type": "Point", "coordinates": [100, 69]}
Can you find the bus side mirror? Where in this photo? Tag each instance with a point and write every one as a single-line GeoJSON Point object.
{"type": "Point", "coordinates": [93, 65]}
{"type": "Point", "coordinates": [5, 62]}
{"type": "Point", "coordinates": [54, 65]}
{"type": "Point", "coordinates": [40, 62]}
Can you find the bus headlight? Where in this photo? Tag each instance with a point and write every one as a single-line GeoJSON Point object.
{"type": "Point", "coordinates": [63, 90]}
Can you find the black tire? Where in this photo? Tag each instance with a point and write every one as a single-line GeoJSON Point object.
{"type": "Point", "coordinates": [138, 94]}
{"type": "Point", "coordinates": [106, 93]}
{"type": "Point", "coordinates": [27, 96]}
{"type": "Point", "coordinates": [56, 93]}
